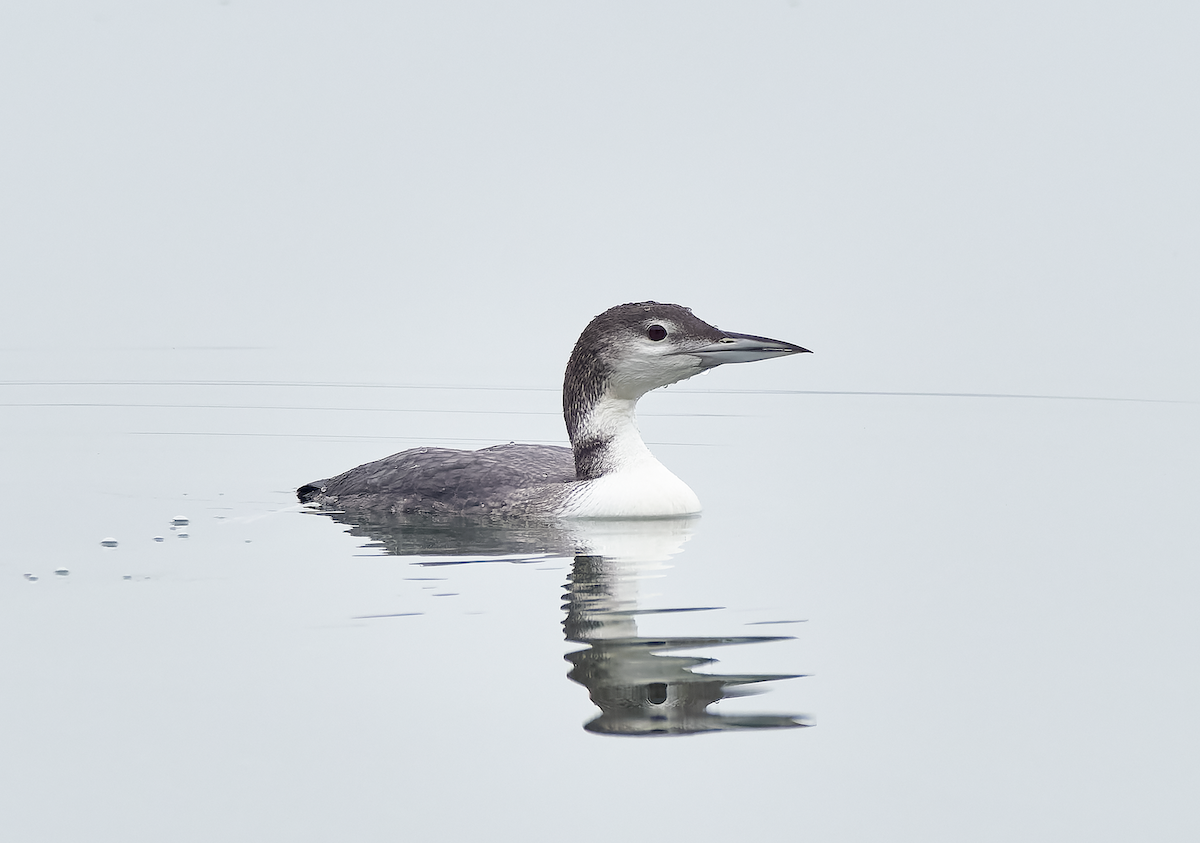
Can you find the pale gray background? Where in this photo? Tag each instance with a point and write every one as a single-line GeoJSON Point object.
{"type": "Point", "coordinates": [935, 197]}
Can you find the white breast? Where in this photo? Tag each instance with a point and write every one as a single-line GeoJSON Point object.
{"type": "Point", "coordinates": [644, 490]}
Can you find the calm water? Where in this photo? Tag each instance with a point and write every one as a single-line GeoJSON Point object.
{"type": "Point", "coordinates": [982, 609]}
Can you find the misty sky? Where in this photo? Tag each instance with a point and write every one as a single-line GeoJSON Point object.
{"type": "Point", "coordinates": [981, 197]}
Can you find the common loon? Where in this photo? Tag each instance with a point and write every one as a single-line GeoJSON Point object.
{"type": "Point", "coordinates": [608, 472]}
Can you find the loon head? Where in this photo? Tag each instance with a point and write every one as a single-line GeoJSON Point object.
{"type": "Point", "coordinates": [631, 349]}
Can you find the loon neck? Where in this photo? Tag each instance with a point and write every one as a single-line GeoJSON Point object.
{"type": "Point", "coordinates": [619, 476]}
{"type": "Point", "coordinates": [598, 408]}
{"type": "Point", "coordinates": [605, 438]}
{"type": "Point", "coordinates": [584, 387]}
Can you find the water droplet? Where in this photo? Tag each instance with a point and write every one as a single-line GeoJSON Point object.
{"type": "Point", "coordinates": [158, 538]}
{"type": "Point", "coordinates": [109, 542]}
{"type": "Point", "coordinates": [181, 536]}
{"type": "Point", "coordinates": [179, 521]}
{"type": "Point", "coordinates": [61, 572]}
{"type": "Point", "coordinates": [127, 577]}
{"type": "Point", "coordinates": [31, 577]}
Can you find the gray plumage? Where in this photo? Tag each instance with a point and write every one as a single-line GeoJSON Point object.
{"type": "Point", "coordinates": [496, 481]}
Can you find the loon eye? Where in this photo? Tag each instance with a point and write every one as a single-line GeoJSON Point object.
{"type": "Point", "coordinates": [656, 332]}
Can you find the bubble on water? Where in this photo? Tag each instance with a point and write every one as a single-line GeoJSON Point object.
{"type": "Point", "coordinates": [179, 521]}
{"type": "Point", "coordinates": [158, 538]}
{"type": "Point", "coordinates": [61, 572]}
{"type": "Point", "coordinates": [31, 577]}
{"type": "Point", "coordinates": [109, 542]}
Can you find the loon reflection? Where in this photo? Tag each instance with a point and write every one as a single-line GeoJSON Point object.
{"type": "Point", "coordinates": [454, 535]}
{"type": "Point", "coordinates": [639, 683]}
{"type": "Point", "coordinates": [638, 687]}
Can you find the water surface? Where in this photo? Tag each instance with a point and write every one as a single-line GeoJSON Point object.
{"type": "Point", "coordinates": [976, 606]}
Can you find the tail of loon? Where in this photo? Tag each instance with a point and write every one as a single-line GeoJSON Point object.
{"type": "Point", "coordinates": [309, 491]}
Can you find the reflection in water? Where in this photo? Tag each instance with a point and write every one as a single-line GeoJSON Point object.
{"type": "Point", "coordinates": [640, 688]}
{"type": "Point", "coordinates": [639, 683]}
{"type": "Point", "coordinates": [454, 535]}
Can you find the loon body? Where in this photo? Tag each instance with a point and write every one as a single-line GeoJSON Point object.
{"type": "Point", "coordinates": [608, 472]}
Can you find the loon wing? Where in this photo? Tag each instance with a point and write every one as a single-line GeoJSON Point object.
{"type": "Point", "coordinates": [444, 479]}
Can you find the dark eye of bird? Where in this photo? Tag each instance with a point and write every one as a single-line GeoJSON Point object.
{"type": "Point", "coordinates": [656, 332]}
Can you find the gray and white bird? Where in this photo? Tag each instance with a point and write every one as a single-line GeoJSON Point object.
{"type": "Point", "coordinates": [608, 472]}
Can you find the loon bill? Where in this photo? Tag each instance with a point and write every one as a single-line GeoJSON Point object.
{"type": "Point", "coordinates": [608, 472]}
